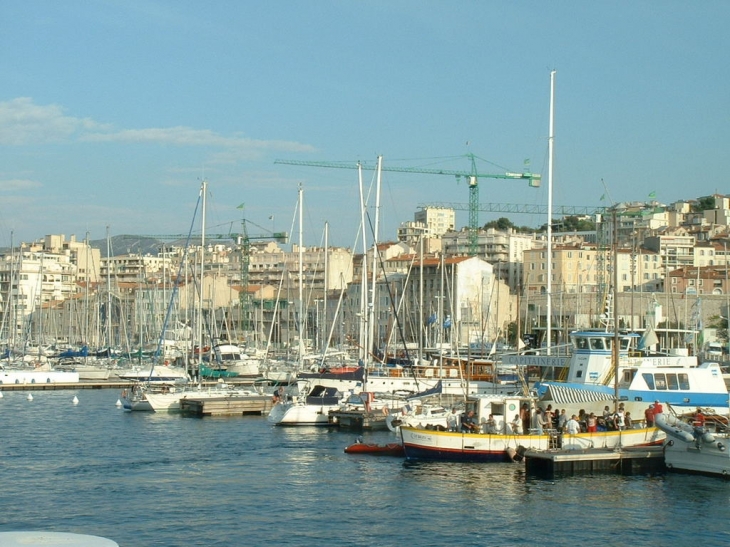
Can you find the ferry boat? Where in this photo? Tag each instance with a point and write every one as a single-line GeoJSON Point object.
{"type": "Point", "coordinates": [591, 383]}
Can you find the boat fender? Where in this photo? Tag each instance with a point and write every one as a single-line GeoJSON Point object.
{"type": "Point", "coordinates": [385, 411]}
{"type": "Point", "coordinates": [392, 422]}
{"type": "Point", "coordinates": [708, 437]}
{"type": "Point", "coordinates": [721, 447]}
{"type": "Point", "coordinates": [511, 453]}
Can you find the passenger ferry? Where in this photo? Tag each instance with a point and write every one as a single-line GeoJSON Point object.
{"type": "Point", "coordinates": [675, 378]}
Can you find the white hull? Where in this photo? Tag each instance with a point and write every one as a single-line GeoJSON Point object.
{"type": "Point", "coordinates": [706, 459]}
{"type": "Point", "coordinates": [170, 401]}
{"type": "Point", "coordinates": [38, 377]}
{"type": "Point", "coordinates": [158, 374]}
{"type": "Point", "coordinates": [387, 384]}
{"type": "Point", "coordinates": [693, 449]}
{"type": "Point", "coordinates": [300, 414]}
{"type": "Point", "coordinates": [93, 374]}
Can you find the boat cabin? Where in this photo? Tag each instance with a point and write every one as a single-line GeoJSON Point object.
{"type": "Point", "coordinates": [592, 351]}
{"type": "Point", "coordinates": [502, 409]}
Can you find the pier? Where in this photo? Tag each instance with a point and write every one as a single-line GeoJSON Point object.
{"type": "Point", "coordinates": [629, 461]}
{"type": "Point", "coordinates": [227, 406]}
{"type": "Point", "coordinates": [358, 419]}
{"type": "Point", "coordinates": [53, 386]}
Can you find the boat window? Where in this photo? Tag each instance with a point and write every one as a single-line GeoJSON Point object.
{"type": "Point", "coordinates": [608, 342]}
{"type": "Point", "coordinates": [581, 343]}
{"type": "Point", "coordinates": [625, 343]}
{"type": "Point", "coordinates": [660, 381]}
{"type": "Point", "coordinates": [596, 343]}
{"type": "Point", "coordinates": [672, 382]}
{"type": "Point", "coordinates": [683, 381]}
{"type": "Point", "coordinates": [649, 379]}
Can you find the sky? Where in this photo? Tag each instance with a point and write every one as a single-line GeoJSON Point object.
{"type": "Point", "coordinates": [113, 112]}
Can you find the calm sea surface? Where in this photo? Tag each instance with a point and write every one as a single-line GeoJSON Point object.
{"type": "Point", "coordinates": [146, 479]}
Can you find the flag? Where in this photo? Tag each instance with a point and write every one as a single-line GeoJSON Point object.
{"type": "Point", "coordinates": [447, 322]}
{"type": "Point", "coordinates": [603, 197]}
{"type": "Point", "coordinates": [431, 320]}
{"type": "Point", "coordinates": [652, 195]}
{"type": "Point", "coordinates": [241, 206]}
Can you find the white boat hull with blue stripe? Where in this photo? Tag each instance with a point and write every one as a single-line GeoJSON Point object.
{"type": "Point", "coordinates": [676, 379]}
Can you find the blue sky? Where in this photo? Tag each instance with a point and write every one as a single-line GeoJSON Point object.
{"type": "Point", "coordinates": [112, 112]}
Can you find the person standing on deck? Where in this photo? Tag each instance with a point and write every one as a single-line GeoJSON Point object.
{"type": "Point", "coordinates": [658, 407]}
{"type": "Point", "coordinates": [525, 417]}
{"type": "Point", "coordinates": [539, 421]}
{"type": "Point", "coordinates": [649, 416]}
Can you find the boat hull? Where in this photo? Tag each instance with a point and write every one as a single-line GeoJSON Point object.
{"type": "Point", "coordinates": [38, 377]}
{"type": "Point", "coordinates": [421, 444]}
{"type": "Point", "coordinates": [711, 459]}
{"type": "Point", "coordinates": [390, 449]}
{"type": "Point", "coordinates": [296, 414]}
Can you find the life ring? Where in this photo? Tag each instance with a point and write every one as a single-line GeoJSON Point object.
{"type": "Point", "coordinates": [385, 411]}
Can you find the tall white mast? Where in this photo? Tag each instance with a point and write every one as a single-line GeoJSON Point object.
{"type": "Point", "coordinates": [301, 278]}
{"type": "Point", "coordinates": [551, 144]}
{"type": "Point", "coordinates": [364, 276]}
{"type": "Point", "coordinates": [199, 326]}
{"type": "Point", "coordinates": [374, 265]}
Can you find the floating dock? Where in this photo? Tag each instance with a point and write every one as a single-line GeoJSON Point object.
{"type": "Point", "coordinates": [53, 386]}
{"type": "Point", "coordinates": [227, 406]}
{"type": "Point", "coordinates": [628, 461]}
{"type": "Point", "coordinates": [358, 419]}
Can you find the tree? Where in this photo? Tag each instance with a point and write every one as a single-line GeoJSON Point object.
{"type": "Point", "coordinates": [719, 323]}
{"type": "Point", "coordinates": [501, 223]}
{"type": "Point", "coordinates": [704, 204]}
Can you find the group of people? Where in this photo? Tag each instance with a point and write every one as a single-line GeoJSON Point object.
{"type": "Point", "coordinates": [542, 420]}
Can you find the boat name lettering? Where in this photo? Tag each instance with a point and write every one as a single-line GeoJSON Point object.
{"type": "Point", "coordinates": [534, 360]}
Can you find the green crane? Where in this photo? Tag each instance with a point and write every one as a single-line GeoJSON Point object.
{"type": "Point", "coordinates": [472, 177]}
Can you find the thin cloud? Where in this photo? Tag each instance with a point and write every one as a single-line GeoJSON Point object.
{"type": "Point", "coordinates": [232, 149]}
{"type": "Point", "coordinates": [14, 185]}
{"type": "Point", "coordinates": [23, 122]}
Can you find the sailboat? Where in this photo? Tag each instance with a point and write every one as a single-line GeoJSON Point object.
{"type": "Point", "coordinates": [312, 405]}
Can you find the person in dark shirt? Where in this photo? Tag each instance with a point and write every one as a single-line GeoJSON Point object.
{"type": "Point", "coordinates": [468, 422]}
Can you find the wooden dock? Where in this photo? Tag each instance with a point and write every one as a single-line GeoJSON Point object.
{"type": "Point", "coordinates": [628, 461]}
{"type": "Point", "coordinates": [53, 386]}
{"type": "Point", "coordinates": [227, 406]}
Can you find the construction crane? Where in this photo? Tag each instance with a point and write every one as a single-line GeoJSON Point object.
{"type": "Point", "coordinates": [243, 240]}
{"type": "Point", "coordinates": [472, 178]}
{"type": "Point", "coordinates": [528, 209]}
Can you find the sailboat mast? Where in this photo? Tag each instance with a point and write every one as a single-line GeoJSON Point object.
{"type": "Point", "coordinates": [204, 191]}
{"type": "Point", "coordinates": [551, 145]}
{"type": "Point", "coordinates": [108, 292]}
{"type": "Point", "coordinates": [301, 279]}
{"type": "Point", "coordinates": [364, 275]}
{"type": "Point", "coordinates": [373, 266]}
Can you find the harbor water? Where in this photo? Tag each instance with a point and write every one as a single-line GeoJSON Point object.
{"type": "Point", "coordinates": [146, 479]}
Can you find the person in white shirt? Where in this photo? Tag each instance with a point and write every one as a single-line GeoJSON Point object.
{"type": "Point", "coordinates": [517, 425]}
{"type": "Point", "coordinates": [572, 427]}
